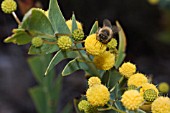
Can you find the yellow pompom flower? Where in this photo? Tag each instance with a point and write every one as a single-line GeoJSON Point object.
{"type": "Point", "coordinates": [150, 95]}
{"type": "Point", "coordinates": [127, 69]}
{"type": "Point", "coordinates": [37, 42]}
{"type": "Point", "coordinates": [64, 42]}
{"type": "Point", "coordinates": [104, 61]}
{"type": "Point", "coordinates": [132, 99]}
{"type": "Point", "coordinates": [98, 95]}
{"type": "Point", "coordinates": [147, 86]}
{"type": "Point", "coordinates": [85, 106]}
{"type": "Point", "coordinates": [153, 2]}
{"type": "Point", "coordinates": [69, 24]}
{"type": "Point", "coordinates": [112, 44]}
{"type": "Point", "coordinates": [93, 46]}
{"type": "Point", "coordinates": [93, 81]}
{"type": "Point", "coordinates": [161, 105]}
{"type": "Point", "coordinates": [163, 87]}
{"type": "Point", "coordinates": [8, 6]}
{"type": "Point", "coordinates": [137, 79]}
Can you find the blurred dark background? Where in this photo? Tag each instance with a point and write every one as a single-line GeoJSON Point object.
{"type": "Point", "coordinates": [147, 28]}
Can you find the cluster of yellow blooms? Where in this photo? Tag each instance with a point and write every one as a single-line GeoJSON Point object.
{"type": "Point", "coordinates": [148, 93]}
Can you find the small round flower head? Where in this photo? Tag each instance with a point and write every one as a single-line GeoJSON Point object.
{"type": "Point", "coordinates": [78, 35]}
{"type": "Point", "coordinates": [132, 87]}
{"type": "Point", "coordinates": [98, 95]}
{"type": "Point", "coordinates": [37, 42]}
{"type": "Point", "coordinates": [153, 2]}
{"type": "Point", "coordinates": [8, 6]}
{"type": "Point", "coordinates": [127, 69]}
{"type": "Point", "coordinates": [86, 107]}
{"type": "Point", "coordinates": [112, 44]}
{"type": "Point", "coordinates": [93, 81]}
{"type": "Point", "coordinates": [93, 46]}
{"type": "Point", "coordinates": [161, 105]}
{"type": "Point", "coordinates": [163, 87]}
{"type": "Point", "coordinates": [137, 79]}
{"type": "Point", "coordinates": [104, 61]}
{"type": "Point", "coordinates": [150, 95]}
{"type": "Point", "coordinates": [147, 86]}
{"type": "Point", "coordinates": [69, 24]}
{"type": "Point", "coordinates": [64, 42]}
{"type": "Point", "coordinates": [132, 99]}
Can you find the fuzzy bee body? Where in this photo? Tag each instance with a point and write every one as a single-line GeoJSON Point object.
{"type": "Point", "coordinates": [105, 34]}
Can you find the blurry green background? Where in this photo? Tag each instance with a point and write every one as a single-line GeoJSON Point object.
{"type": "Point", "coordinates": [147, 27]}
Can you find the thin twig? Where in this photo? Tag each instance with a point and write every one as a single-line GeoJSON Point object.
{"type": "Point", "coordinates": [16, 18]}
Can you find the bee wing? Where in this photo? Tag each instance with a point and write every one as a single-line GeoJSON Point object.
{"type": "Point", "coordinates": [107, 23]}
{"type": "Point", "coordinates": [115, 29]}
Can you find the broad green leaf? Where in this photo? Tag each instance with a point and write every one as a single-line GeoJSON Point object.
{"type": "Point", "coordinates": [39, 98]}
{"type": "Point", "coordinates": [122, 46]}
{"type": "Point", "coordinates": [44, 49]}
{"type": "Point", "coordinates": [59, 56]}
{"type": "Point", "coordinates": [74, 24]}
{"type": "Point", "coordinates": [94, 28]}
{"type": "Point", "coordinates": [20, 38]}
{"type": "Point", "coordinates": [37, 21]}
{"type": "Point", "coordinates": [56, 18]}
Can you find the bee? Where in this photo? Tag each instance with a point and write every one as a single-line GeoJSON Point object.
{"type": "Point", "coordinates": [105, 34]}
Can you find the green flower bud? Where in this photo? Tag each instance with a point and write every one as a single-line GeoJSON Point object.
{"type": "Point", "coordinates": [132, 87]}
{"type": "Point", "coordinates": [37, 42]}
{"type": "Point", "coordinates": [163, 87]}
{"type": "Point", "coordinates": [8, 6]}
{"type": "Point", "coordinates": [150, 95]}
{"type": "Point", "coordinates": [112, 44]}
{"type": "Point", "coordinates": [64, 42]}
{"type": "Point", "coordinates": [86, 107]}
{"type": "Point", "coordinates": [78, 34]}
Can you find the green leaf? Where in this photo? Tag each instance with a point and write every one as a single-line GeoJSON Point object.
{"type": "Point", "coordinates": [44, 49]}
{"type": "Point", "coordinates": [57, 19]}
{"type": "Point", "coordinates": [94, 28]}
{"type": "Point", "coordinates": [74, 24]}
{"type": "Point", "coordinates": [39, 99]}
{"type": "Point", "coordinates": [59, 56]}
{"type": "Point", "coordinates": [122, 46]}
{"type": "Point", "coordinates": [20, 38]}
{"type": "Point", "coordinates": [37, 21]}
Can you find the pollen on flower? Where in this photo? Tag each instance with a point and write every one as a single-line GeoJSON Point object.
{"type": "Point", "coordinates": [98, 95]}
{"type": "Point", "coordinates": [93, 81]}
{"type": "Point", "coordinates": [8, 6]}
{"type": "Point", "coordinates": [127, 69]}
{"type": "Point", "coordinates": [161, 105]}
{"type": "Point", "coordinates": [104, 61]}
{"type": "Point", "coordinates": [150, 95]}
{"type": "Point", "coordinates": [147, 86]}
{"type": "Point", "coordinates": [37, 42]}
{"type": "Point", "coordinates": [93, 46]}
{"type": "Point", "coordinates": [64, 42]}
{"type": "Point", "coordinates": [163, 87]}
{"type": "Point", "coordinates": [137, 79]}
{"type": "Point", "coordinates": [69, 24]}
{"type": "Point", "coordinates": [112, 44]}
{"type": "Point", "coordinates": [132, 99]}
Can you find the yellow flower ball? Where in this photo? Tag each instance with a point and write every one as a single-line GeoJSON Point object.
{"type": "Point", "coordinates": [132, 99]}
{"type": "Point", "coordinates": [93, 46]}
{"type": "Point", "coordinates": [137, 79]}
{"type": "Point", "coordinates": [150, 95]}
{"type": "Point", "coordinates": [161, 105]}
{"type": "Point", "coordinates": [112, 44]}
{"type": "Point", "coordinates": [104, 61]}
{"type": "Point", "coordinates": [127, 69]}
{"type": "Point", "coordinates": [163, 87]}
{"type": "Point", "coordinates": [37, 42]}
{"type": "Point", "coordinates": [147, 86]}
{"type": "Point", "coordinates": [98, 95]}
{"type": "Point", "coordinates": [69, 24]}
{"type": "Point", "coordinates": [153, 2]}
{"type": "Point", "coordinates": [64, 42]}
{"type": "Point", "coordinates": [8, 6]}
{"type": "Point", "coordinates": [85, 106]}
{"type": "Point", "coordinates": [93, 81]}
